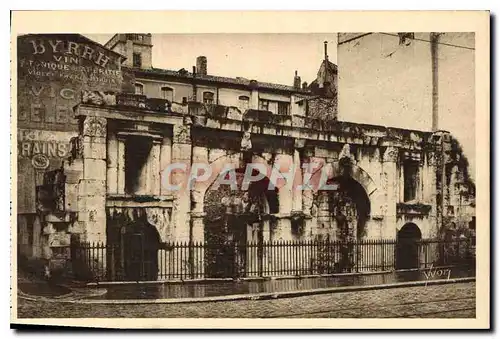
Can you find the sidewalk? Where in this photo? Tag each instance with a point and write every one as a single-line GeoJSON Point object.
{"type": "Point", "coordinates": [225, 289]}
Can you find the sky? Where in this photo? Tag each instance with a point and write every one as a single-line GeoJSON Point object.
{"type": "Point", "coordinates": [264, 57]}
{"type": "Point", "coordinates": [271, 58]}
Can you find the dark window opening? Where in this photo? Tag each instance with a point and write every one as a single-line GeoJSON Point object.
{"type": "Point", "coordinates": [283, 108]}
{"type": "Point", "coordinates": [208, 97]}
{"type": "Point", "coordinates": [264, 105]}
{"type": "Point", "coordinates": [139, 89]}
{"type": "Point", "coordinates": [167, 93]}
{"type": "Point", "coordinates": [411, 169]}
{"type": "Point", "coordinates": [244, 103]}
{"type": "Point", "coordinates": [137, 151]}
{"type": "Point", "coordinates": [137, 60]}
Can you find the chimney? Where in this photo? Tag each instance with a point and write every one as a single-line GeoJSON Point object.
{"type": "Point", "coordinates": [326, 50]}
{"type": "Point", "coordinates": [201, 65]}
{"type": "Point", "coordinates": [296, 81]}
{"type": "Point", "coordinates": [195, 88]}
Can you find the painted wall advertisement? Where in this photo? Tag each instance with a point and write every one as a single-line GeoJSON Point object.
{"type": "Point", "coordinates": [53, 69]}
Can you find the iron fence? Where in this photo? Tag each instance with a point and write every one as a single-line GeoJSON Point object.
{"type": "Point", "coordinates": [188, 260]}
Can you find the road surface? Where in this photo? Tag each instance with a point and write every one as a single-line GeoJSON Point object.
{"type": "Point", "coordinates": [437, 301]}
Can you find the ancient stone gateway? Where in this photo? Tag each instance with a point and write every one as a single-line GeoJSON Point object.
{"type": "Point", "coordinates": [342, 182]}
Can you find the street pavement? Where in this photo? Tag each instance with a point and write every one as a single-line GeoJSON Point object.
{"type": "Point", "coordinates": [455, 300]}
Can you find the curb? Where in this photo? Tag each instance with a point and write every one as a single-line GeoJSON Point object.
{"type": "Point", "coordinates": [256, 296]}
{"type": "Point", "coordinates": [267, 278]}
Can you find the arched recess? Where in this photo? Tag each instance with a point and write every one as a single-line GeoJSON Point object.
{"type": "Point", "coordinates": [344, 168]}
{"type": "Point", "coordinates": [139, 244]}
{"type": "Point", "coordinates": [407, 246]}
{"type": "Point", "coordinates": [220, 166]}
{"type": "Point", "coordinates": [345, 202]}
{"type": "Point", "coordinates": [233, 218]}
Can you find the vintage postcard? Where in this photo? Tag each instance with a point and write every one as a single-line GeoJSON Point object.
{"type": "Point", "coordinates": [251, 169]}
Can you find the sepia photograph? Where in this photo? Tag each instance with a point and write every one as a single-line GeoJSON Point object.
{"type": "Point", "coordinates": [324, 174]}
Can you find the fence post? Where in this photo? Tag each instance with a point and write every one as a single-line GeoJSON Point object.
{"type": "Point", "coordinates": [419, 249]}
{"type": "Point", "coordinates": [260, 257]}
{"type": "Point", "coordinates": [235, 260]}
{"type": "Point", "coordinates": [112, 263]}
{"type": "Point", "coordinates": [191, 258]}
{"type": "Point", "coordinates": [383, 254]}
{"type": "Point", "coordinates": [357, 255]}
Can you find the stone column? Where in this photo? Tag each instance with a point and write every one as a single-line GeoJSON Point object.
{"type": "Point", "coordinates": [254, 99]}
{"type": "Point", "coordinates": [181, 154]}
{"type": "Point", "coordinates": [266, 250]}
{"type": "Point", "coordinates": [121, 166]}
{"type": "Point", "coordinates": [92, 190]}
{"type": "Point", "coordinates": [430, 196]}
{"type": "Point", "coordinates": [165, 159]}
{"type": "Point", "coordinates": [197, 253]}
{"type": "Point", "coordinates": [390, 185]}
{"type": "Point", "coordinates": [36, 250]}
{"type": "Point", "coordinates": [154, 169]}
{"type": "Point", "coordinates": [112, 164]}
{"type": "Point", "coordinates": [296, 193]}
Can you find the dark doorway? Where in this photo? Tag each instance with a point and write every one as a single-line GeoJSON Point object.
{"type": "Point", "coordinates": [229, 214]}
{"type": "Point", "coordinates": [139, 251]}
{"type": "Point", "coordinates": [407, 247]}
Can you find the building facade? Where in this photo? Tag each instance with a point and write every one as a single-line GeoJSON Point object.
{"type": "Point", "coordinates": [116, 187]}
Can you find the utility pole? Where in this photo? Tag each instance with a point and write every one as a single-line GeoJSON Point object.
{"type": "Point", "coordinates": [434, 38]}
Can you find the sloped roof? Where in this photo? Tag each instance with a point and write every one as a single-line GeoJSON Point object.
{"type": "Point", "coordinates": [219, 79]}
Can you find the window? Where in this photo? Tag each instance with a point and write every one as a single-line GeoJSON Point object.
{"type": "Point", "coordinates": [208, 97]}
{"type": "Point", "coordinates": [243, 103]}
{"type": "Point", "coordinates": [264, 105]}
{"type": "Point", "coordinates": [139, 89]}
{"type": "Point", "coordinates": [283, 108]}
{"type": "Point", "coordinates": [167, 93]}
{"type": "Point", "coordinates": [137, 60]}
{"type": "Point", "coordinates": [410, 175]}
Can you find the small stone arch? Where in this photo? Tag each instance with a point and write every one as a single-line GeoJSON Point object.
{"type": "Point", "coordinates": [356, 172]}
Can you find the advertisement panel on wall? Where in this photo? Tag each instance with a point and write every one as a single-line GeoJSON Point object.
{"type": "Point", "coordinates": [53, 69]}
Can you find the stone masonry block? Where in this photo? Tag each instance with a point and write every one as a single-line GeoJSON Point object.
{"type": "Point", "coordinates": [94, 150]}
{"type": "Point", "coordinates": [181, 152]}
{"type": "Point", "coordinates": [91, 188]}
{"type": "Point", "coordinates": [94, 169]}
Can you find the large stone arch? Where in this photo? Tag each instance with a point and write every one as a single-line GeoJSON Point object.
{"type": "Point", "coordinates": [233, 218]}
{"type": "Point", "coordinates": [218, 166]}
{"type": "Point", "coordinates": [337, 169]}
{"type": "Point", "coordinates": [352, 186]}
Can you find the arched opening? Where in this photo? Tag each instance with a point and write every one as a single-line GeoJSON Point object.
{"type": "Point", "coordinates": [407, 247]}
{"type": "Point", "coordinates": [233, 219]}
{"type": "Point", "coordinates": [345, 206]}
{"type": "Point", "coordinates": [139, 243]}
